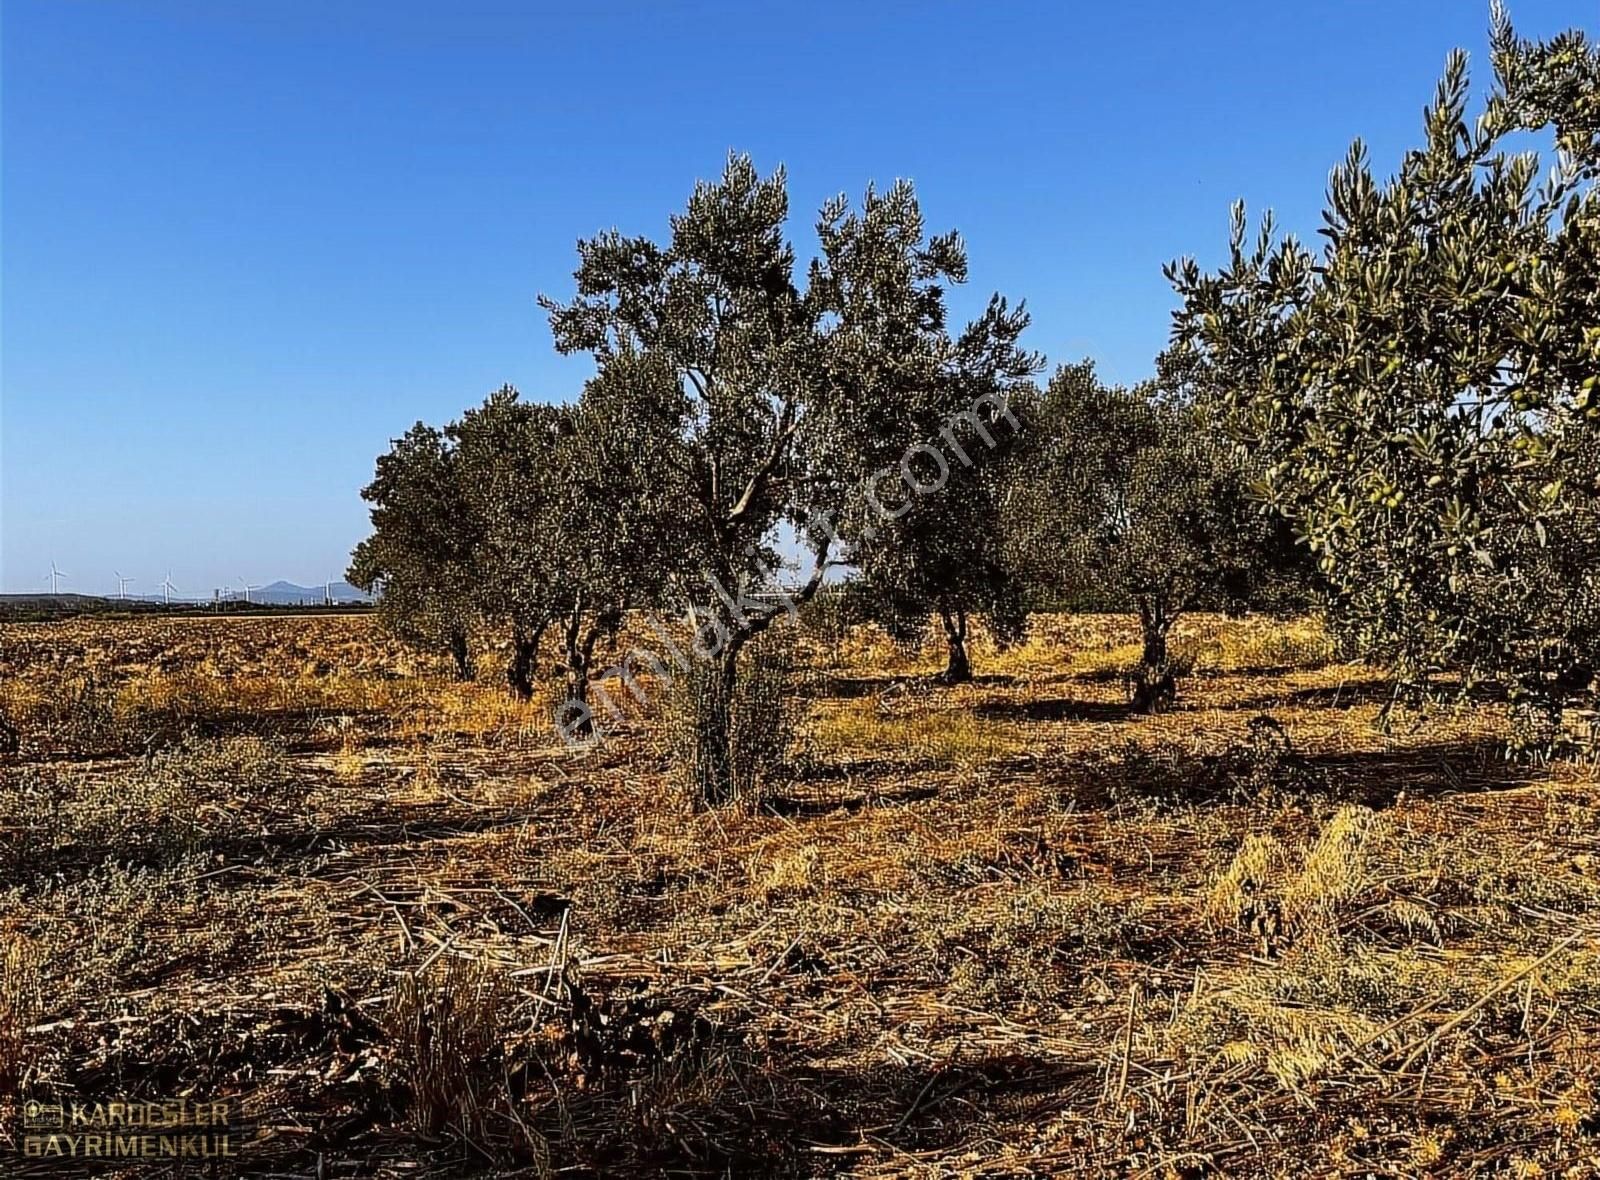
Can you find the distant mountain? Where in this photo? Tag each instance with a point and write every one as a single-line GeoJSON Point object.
{"type": "Point", "coordinates": [43, 598]}
{"type": "Point", "coordinates": [279, 593]}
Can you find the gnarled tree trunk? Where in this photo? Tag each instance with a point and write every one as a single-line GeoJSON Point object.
{"type": "Point", "coordinates": [1155, 687]}
{"type": "Point", "coordinates": [577, 655]}
{"type": "Point", "coordinates": [959, 668]}
{"type": "Point", "coordinates": [524, 660]}
{"type": "Point", "coordinates": [577, 702]}
{"type": "Point", "coordinates": [461, 654]}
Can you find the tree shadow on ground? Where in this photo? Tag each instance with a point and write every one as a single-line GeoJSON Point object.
{"type": "Point", "coordinates": [1266, 763]}
{"type": "Point", "coordinates": [1378, 777]}
{"type": "Point", "coordinates": [1368, 690]}
{"type": "Point", "coordinates": [796, 806]}
{"type": "Point", "coordinates": [379, 827]}
{"type": "Point", "coordinates": [846, 688]}
{"type": "Point", "coordinates": [1338, 696]}
{"type": "Point", "coordinates": [841, 770]}
{"type": "Point", "coordinates": [715, 1106]}
{"type": "Point", "coordinates": [1056, 709]}
{"type": "Point", "coordinates": [300, 729]}
{"type": "Point", "coordinates": [1111, 675]}
{"type": "Point", "coordinates": [766, 1120]}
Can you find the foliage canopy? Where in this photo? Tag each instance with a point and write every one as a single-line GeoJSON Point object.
{"type": "Point", "coordinates": [1424, 389]}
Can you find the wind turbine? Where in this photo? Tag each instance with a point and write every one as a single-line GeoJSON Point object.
{"type": "Point", "coordinates": [247, 588]}
{"type": "Point", "coordinates": [122, 584]}
{"type": "Point", "coordinates": [166, 589]}
{"type": "Point", "coordinates": [55, 576]}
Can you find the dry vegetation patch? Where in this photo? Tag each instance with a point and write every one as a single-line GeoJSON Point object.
{"type": "Point", "coordinates": [1001, 929]}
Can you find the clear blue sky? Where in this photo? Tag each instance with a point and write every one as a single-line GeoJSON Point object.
{"type": "Point", "coordinates": [246, 243]}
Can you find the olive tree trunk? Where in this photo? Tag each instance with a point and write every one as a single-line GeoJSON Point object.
{"type": "Point", "coordinates": [577, 654]}
{"type": "Point", "coordinates": [1155, 687]}
{"type": "Point", "coordinates": [524, 661]}
{"type": "Point", "coordinates": [958, 669]}
{"type": "Point", "coordinates": [461, 654]}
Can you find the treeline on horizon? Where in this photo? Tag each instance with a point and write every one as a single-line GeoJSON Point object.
{"type": "Point", "coordinates": [43, 607]}
{"type": "Point", "coordinates": [1401, 427]}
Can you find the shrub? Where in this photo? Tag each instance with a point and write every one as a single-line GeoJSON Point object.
{"type": "Point", "coordinates": [444, 1024]}
{"type": "Point", "coordinates": [759, 717]}
{"type": "Point", "coordinates": [148, 815]}
{"type": "Point", "coordinates": [242, 763]}
{"type": "Point", "coordinates": [155, 812]}
{"type": "Point", "coordinates": [120, 928]}
{"type": "Point", "coordinates": [83, 717]}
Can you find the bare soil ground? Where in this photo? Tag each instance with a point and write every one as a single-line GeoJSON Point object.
{"type": "Point", "coordinates": [1003, 929]}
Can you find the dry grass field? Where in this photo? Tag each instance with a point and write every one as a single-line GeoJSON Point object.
{"type": "Point", "coordinates": [1005, 929]}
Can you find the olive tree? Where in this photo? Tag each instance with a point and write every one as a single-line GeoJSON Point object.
{"type": "Point", "coordinates": [422, 559]}
{"type": "Point", "coordinates": [1423, 390]}
{"type": "Point", "coordinates": [945, 555]}
{"type": "Point", "coordinates": [611, 529]}
{"type": "Point", "coordinates": [572, 523]}
{"type": "Point", "coordinates": [1128, 494]}
{"type": "Point", "coordinates": [519, 517]}
{"type": "Point", "coordinates": [509, 455]}
{"type": "Point", "coordinates": [771, 399]}
{"type": "Point", "coordinates": [927, 537]}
